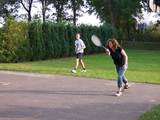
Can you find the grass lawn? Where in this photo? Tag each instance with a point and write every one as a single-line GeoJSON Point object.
{"type": "Point", "coordinates": [144, 66]}
{"type": "Point", "coordinates": [153, 114]}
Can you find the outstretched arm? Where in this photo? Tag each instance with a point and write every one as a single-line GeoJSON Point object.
{"type": "Point", "coordinates": [125, 59]}
{"type": "Point", "coordinates": [125, 56]}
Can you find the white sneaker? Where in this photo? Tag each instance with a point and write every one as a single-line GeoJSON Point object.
{"type": "Point", "coordinates": [118, 93]}
{"type": "Point", "coordinates": [74, 71]}
{"type": "Point", "coordinates": [126, 86]}
{"type": "Point", "coordinates": [84, 70]}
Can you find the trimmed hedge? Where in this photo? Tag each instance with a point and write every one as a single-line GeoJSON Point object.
{"type": "Point", "coordinates": [20, 41]}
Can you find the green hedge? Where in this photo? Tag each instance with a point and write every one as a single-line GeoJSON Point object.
{"type": "Point", "coordinates": [141, 45]}
{"type": "Point", "coordinates": [148, 40]}
{"type": "Point", "coordinates": [20, 41]}
{"type": "Point", "coordinates": [149, 36]}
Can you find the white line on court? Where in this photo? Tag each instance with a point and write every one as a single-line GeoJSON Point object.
{"type": "Point", "coordinates": [26, 74]}
{"type": "Point", "coordinates": [4, 83]}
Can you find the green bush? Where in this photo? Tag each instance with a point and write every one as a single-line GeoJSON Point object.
{"type": "Point", "coordinates": [13, 36]}
{"type": "Point", "coordinates": [148, 40]}
{"type": "Point", "coordinates": [151, 35]}
{"type": "Point", "coordinates": [20, 41]}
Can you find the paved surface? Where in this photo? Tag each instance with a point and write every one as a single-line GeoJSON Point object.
{"type": "Point", "coordinates": [26, 96]}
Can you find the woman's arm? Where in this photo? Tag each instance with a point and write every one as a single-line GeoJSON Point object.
{"type": "Point", "coordinates": [125, 57]}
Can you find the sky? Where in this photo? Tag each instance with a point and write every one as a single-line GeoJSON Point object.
{"type": "Point", "coordinates": [89, 20]}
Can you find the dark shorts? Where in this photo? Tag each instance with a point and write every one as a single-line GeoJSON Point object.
{"type": "Point", "coordinates": [79, 55]}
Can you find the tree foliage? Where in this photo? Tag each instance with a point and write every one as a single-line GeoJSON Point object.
{"type": "Point", "coordinates": [61, 9]}
{"type": "Point", "coordinates": [76, 7]}
{"type": "Point", "coordinates": [5, 11]}
{"type": "Point", "coordinates": [117, 12]}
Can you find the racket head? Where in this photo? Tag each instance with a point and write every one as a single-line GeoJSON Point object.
{"type": "Point", "coordinates": [96, 41]}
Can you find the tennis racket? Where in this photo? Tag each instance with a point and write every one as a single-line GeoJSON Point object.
{"type": "Point", "coordinates": [96, 41]}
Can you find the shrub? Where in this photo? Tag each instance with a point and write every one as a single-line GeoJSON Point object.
{"type": "Point", "coordinates": [13, 36]}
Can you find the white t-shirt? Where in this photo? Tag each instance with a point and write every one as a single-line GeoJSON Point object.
{"type": "Point", "coordinates": [79, 46]}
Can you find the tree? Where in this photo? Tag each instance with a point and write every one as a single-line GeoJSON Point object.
{"type": "Point", "coordinates": [61, 9]}
{"type": "Point", "coordinates": [76, 7]}
{"type": "Point", "coordinates": [4, 9]}
{"type": "Point", "coordinates": [113, 11]}
{"type": "Point", "coordinates": [27, 5]}
{"type": "Point", "coordinates": [44, 3]}
{"type": "Point", "coordinates": [117, 12]}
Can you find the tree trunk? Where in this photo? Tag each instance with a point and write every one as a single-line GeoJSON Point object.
{"type": "Point", "coordinates": [44, 10]}
{"type": "Point", "coordinates": [74, 12]}
{"type": "Point", "coordinates": [28, 9]}
{"type": "Point", "coordinates": [58, 14]}
{"type": "Point", "coordinates": [29, 16]}
{"type": "Point", "coordinates": [112, 20]}
{"type": "Point", "coordinates": [59, 9]}
{"type": "Point", "coordinates": [74, 17]}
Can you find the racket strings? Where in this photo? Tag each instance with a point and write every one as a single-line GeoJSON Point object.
{"type": "Point", "coordinates": [96, 41]}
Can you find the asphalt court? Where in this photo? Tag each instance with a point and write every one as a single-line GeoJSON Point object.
{"type": "Point", "coordinates": [29, 96]}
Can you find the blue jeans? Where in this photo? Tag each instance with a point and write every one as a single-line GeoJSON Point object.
{"type": "Point", "coordinates": [121, 77]}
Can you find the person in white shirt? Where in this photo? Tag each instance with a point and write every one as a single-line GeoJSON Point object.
{"type": "Point", "coordinates": [79, 50]}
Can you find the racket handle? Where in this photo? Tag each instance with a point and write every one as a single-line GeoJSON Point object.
{"type": "Point", "coordinates": [107, 50]}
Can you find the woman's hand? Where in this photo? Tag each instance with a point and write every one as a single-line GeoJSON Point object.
{"type": "Point", "coordinates": [107, 51]}
{"type": "Point", "coordinates": [125, 66]}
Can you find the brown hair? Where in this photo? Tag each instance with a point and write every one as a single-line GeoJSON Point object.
{"type": "Point", "coordinates": [114, 43]}
{"type": "Point", "coordinates": [78, 33]}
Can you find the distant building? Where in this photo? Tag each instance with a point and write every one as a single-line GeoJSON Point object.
{"type": "Point", "coordinates": [150, 15]}
{"type": "Point", "coordinates": [154, 5]}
